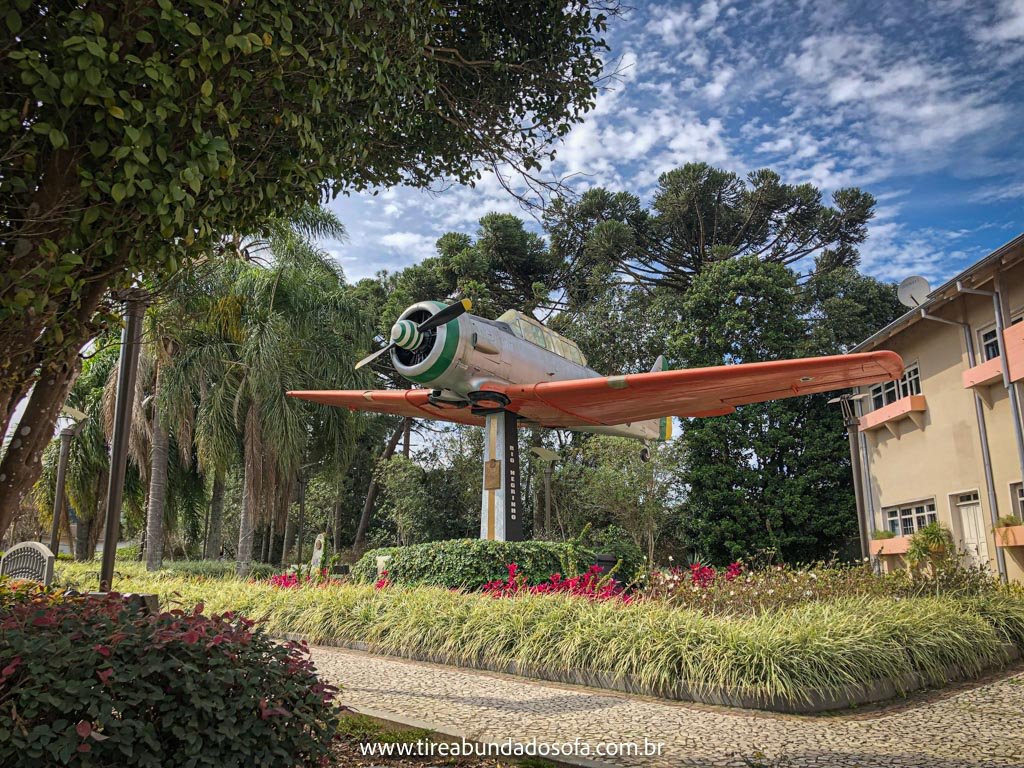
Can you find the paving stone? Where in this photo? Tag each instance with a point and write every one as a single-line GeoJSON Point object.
{"type": "Point", "coordinates": [972, 726]}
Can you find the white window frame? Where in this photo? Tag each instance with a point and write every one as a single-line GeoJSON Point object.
{"type": "Point", "coordinates": [908, 519]}
{"type": "Point", "coordinates": [1017, 499]}
{"type": "Point", "coordinates": [889, 392]}
{"type": "Point", "coordinates": [991, 347]}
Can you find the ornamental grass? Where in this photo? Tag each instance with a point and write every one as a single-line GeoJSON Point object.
{"type": "Point", "coordinates": [791, 653]}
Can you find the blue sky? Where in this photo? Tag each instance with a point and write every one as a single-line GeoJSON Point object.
{"type": "Point", "coordinates": [919, 103]}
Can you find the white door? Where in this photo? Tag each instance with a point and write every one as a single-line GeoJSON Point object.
{"type": "Point", "coordinates": [974, 539]}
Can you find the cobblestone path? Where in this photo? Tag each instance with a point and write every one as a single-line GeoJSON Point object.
{"type": "Point", "coordinates": [973, 725]}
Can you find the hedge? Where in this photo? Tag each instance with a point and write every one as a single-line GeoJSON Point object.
{"type": "Point", "coordinates": [93, 681]}
{"type": "Point", "coordinates": [471, 563]}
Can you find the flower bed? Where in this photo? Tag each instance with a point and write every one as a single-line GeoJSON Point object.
{"type": "Point", "coordinates": [787, 653]}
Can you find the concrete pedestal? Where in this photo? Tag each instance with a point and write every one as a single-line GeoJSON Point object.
{"type": "Point", "coordinates": [501, 512]}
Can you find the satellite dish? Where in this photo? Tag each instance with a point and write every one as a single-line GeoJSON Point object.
{"type": "Point", "coordinates": [913, 291]}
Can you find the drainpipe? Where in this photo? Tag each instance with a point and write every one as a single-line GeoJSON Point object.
{"type": "Point", "coordinates": [869, 497]}
{"type": "Point", "coordinates": [1011, 390]}
{"type": "Point", "coordinates": [986, 456]}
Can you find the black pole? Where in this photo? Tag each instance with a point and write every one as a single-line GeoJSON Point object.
{"type": "Point", "coordinates": [131, 340]}
{"type": "Point", "coordinates": [302, 514]}
{"type": "Point", "coordinates": [58, 495]}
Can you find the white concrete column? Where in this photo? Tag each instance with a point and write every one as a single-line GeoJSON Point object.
{"type": "Point", "coordinates": [500, 510]}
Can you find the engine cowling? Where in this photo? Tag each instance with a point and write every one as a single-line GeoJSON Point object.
{"type": "Point", "coordinates": [426, 359]}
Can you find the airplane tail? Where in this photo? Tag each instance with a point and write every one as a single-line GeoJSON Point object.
{"type": "Point", "coordinates": [665, 422]}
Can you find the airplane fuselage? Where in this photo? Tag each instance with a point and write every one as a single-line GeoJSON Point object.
{"type": "Point", "coordinates": [471, 354]}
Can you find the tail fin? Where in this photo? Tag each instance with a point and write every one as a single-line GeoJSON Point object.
{"type": "Point", "coordinates": [665, 423]}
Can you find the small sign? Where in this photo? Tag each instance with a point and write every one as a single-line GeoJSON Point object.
{"type": "Point", "coordinates": [492, 475]}
{"type": "Point", "coordinates": [316, 562]}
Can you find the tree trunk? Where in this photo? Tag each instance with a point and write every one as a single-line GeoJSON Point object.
{"type": "Point", "coordinates": [337, 515]}
{"type": "Point", "coordinates": [21, 464]}
{"type": "Point", "coordinates": [213, 537]}
{"type": "Point", "coordinates": [289, 534]}
{"type": "Point", "coordinates": [157, 487]}
{"type": "Point", "coordinates": [371, 492]}
{"type": "Point", "coordinates": [82, 538]}
{"type": "Point", "coordinates": [245, 528]}
{"type": "Point", "coordinates": [406, 437]}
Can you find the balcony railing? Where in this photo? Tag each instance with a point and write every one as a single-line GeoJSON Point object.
{"type": "Point", "coordinates": [892, 416]}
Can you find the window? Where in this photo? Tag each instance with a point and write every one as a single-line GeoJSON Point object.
{"type": "Point", "coordinates": [891, 391]}
{"type": "Point", "coordinates": [1017, 494]}
{"type": "Point", "coordinates": [904, 521]}
{"type": "Point", "coordinates": [990, 341]}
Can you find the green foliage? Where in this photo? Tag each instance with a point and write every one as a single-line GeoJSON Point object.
{"type": "Point", "coordinates": [881, 533]}
{"type": "Point", "coordinates": [930, 544]}
{"type": "Point", "coordinates": [776, 474]}
{"type": "Point", "coordinates": [139, 135]}
{"type": "Point", "coordinates": [760, 216]}
{"type": "Point", "coordinates": [1008, 521]}
{"type": "Point", "coordinates": [791, 652]}
{"type": "Point", "coordinates": [612, 540]}
{"type": "Point", "coordinates": [92, 681]}
{"type": "Point", "coordinates": [471, 563]}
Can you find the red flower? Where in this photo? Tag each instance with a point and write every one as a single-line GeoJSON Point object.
{"type": "Point", "coordinates": [102, 650]}
{"type": "Point", "coordinates": [191, 637]}
{"type": "Point", "coordinates": [104, 675]}
{"type": "Point", "coordinates": [84, 728]}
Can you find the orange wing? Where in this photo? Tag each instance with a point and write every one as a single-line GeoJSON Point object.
{"type": "Point", "coordinates": [400, 402]}
{"type": "Point", "coordinates": [610, 400]}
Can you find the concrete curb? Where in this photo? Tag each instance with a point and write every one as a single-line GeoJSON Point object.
{"type": "Point", "coordinates": [812, 701]}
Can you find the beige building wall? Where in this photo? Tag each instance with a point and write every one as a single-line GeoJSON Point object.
{"type": "Point", "coordinates": [935, 455]}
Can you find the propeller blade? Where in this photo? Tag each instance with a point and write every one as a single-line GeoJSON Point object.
{"type": "Point", "coordinates": [373, 356]}
{"type": "Point", "coordinates": [446, 315]}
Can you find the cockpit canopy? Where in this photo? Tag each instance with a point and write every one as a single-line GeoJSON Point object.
{"type": "Point", "coordinates": [532, 330]}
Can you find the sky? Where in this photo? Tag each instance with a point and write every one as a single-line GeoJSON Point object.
{"type": "Point", "coordinates": [919, 103]}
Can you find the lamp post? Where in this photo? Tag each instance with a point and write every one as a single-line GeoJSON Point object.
{"type": "Point", "coordinates": [852, 424]}
{"type": "Point", "coordinates": [131, 339]}
{"type": "Point", "coordinates": [548, 457]}
{"type": "Point", "coordinates": [60, 493]}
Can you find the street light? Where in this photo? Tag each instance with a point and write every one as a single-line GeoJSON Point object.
{"type": "Point", "coordinates": [852, 430]}
{"type": "Point", "coordinates": [549, 458]}
{"type": "Point", "coordinates": [59, 494]}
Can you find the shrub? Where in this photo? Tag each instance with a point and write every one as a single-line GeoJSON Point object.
{"type": "Point", "coordinates": [472, 563]}
{"type": "Point", "coordinates": [92, 681]}
{"type": "Point", "coordinates": [590, 585]}
{"type": "Point", "coordinates": [851, 631]}
{"type": "Point", "coordinates": [615, 541]}
{"type": "Point", "coordinates": [1008, 521]}
{"type": "Point", "coordinates": [882, 533]}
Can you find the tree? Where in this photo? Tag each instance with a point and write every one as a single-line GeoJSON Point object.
{"type": "Point", "coordinates": [772, 475]}
{"type": "Point", "coordinates": [701, 215]}
{"type": "Point", "coordinates": [137, 134]}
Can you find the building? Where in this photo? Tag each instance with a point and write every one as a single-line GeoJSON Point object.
{"type": "Point", "coordinates": [946, 442]}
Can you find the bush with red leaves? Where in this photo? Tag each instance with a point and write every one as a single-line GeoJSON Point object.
{"type": "Point", "coordinates": [590, 585]}
{"type": "Point", "coordinates": [92, 681]}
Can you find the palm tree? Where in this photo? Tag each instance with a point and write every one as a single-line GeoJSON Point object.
{"type": "Point", "coordinates": [275, 318]}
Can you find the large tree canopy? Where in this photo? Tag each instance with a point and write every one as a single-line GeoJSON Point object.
{"type": "Point", "coordinates": [776, 475]}
{"type": "Point", "coordinates": [701, 215]}
{"type": "Point", "coordinates": [137, 134]}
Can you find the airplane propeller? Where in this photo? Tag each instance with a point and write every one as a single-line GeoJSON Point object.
{"type": "Point", "coordinates": [407, 335]}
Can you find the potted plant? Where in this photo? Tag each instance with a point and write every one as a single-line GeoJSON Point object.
{"type": "Point", "coordinates": [1009, 531]}
{"type": "Point", "coordinates": [929, 545]}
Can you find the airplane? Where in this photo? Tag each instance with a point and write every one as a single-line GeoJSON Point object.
{"type": "Point", "coordinates": [469, 367]}
{"type": "Point", "coordinates": [498, 374]}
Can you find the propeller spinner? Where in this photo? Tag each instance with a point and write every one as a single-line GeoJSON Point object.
{"type": "Point", "coordinates": [408, 335]}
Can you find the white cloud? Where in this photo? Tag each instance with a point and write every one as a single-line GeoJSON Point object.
{"type": "Point", "coordinates": [411, 244]}
{"type": "Point", "coordinates": [1013, 190]}
{"type": "Point", "coordinates": [1008, 25]}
